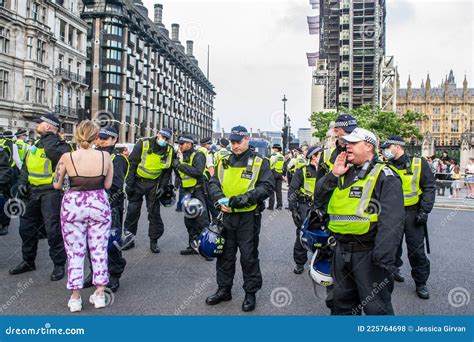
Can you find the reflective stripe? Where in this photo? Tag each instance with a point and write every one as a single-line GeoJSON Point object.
{"type": "Point", "coordinates": [416, 171]}
{"type": "Point", "coordinates": [309, 183]}
{"type": "Point", "coordinates": [188, 181]}
{"type": "Point", "coordinates": [347, 218]}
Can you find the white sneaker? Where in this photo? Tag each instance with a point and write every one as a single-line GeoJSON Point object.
{"type": "Point", "coordinates": [98, 301]}
{"type": "Point", "coordinates": [75, 305]}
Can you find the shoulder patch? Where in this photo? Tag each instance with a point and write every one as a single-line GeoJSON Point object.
{"type": "Point", "coordinates": [388, 171]}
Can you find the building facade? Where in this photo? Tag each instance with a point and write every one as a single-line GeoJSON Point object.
{"type": "Point", "coordinates": [305, 136]}
{"type": "Point", "coordinates": [449, 110]}
{"type": "Point", "coordinates": [351, 52]}
{"type": "Point", "coordinates": [42, 62]}
{"type": "Point", "coordinates": [141, 79]}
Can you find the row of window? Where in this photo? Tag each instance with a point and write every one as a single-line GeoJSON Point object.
{"type": "Point", "coordinates": [437, 110]}
{"type": "Point", "coordinates": [67, 93]}
{"type": "Point", "coordinates": [70, 35]}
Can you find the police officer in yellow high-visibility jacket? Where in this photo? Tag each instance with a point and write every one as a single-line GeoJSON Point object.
{"type": "Point", "coordinates": [21, 144]}
{"type": "Point", "coordinates": [277, 161]}
{"type": "Point", "coordinates": [300, 201]}
{"type": "Point", "coordinates": [149, 174]}
{"type": "Point", "coordinates": [222, 151]}
{"type": "Point", "coordinates": [241, 183]}
{"type": "Point", "coordinates": [366, 218]}
{"type": "Point", "coordinates": [43, 203]}
{"type": "Point", "coordinates": [419, 191]}
{"type": "Point", "coordinates": [191, 169]}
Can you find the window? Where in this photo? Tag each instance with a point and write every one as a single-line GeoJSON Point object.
{"type": "Point", "coordinates": [59, 95]}
{"type": "Point", "coordinates": [113, 78]}
{"type": "Point", "coordinates": [3, 84]}
{"type": "Point", "coordinates": [436, 125]}
{"type": "Point", "coordinates": [455, 110]}
{"type": "Point", "coordinates": [41, 51]}
{"type": "Point", "coordinates": [69, 64]}
{"type": "Point", "coordinates": [29, 47]}
{"type": "Point", "coordinates": [78, 69]}
{"type": "Point", "coordinates": [72, 6]}
{"type": "Point", "coordinates": [69, 97]}
{"type": "Point", "coordinates": [62, 30]}
{"type": "Point", "coordinates": [4, 40]}
{"type": "Point", "coordinates": [61, 61]}
{"type": "Point", "coordinates": [113, 54]}
{"type": "Point", "coordinates": [70, 34]}
{"type": "Point", "coordinates": [40, 90]}
{"type": "Point", "coordinates": [28, 91]}
{"type": "Point", "coordinates": [454, 126]}
{"type": "Point", "coordinates": [436, 110]}
{"type": "Point", "coordinates": [78, 99]}
{"type": "Point", "coordinates": [35, 9]}
{"type": "Point", "coordinates": [112, 29]}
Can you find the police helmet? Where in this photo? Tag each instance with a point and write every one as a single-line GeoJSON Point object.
{"type": "Point", "coordinates": [320, 269]}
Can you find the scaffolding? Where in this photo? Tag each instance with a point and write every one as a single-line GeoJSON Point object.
{"type": "Point", "coordinates": [388, 76]}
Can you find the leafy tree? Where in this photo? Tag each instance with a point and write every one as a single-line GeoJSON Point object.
{"type": "Point", "coordinates": [380, 122]}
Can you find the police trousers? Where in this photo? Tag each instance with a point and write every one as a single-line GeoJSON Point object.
{"type": "Point", "coordinates": [42, 213]}
{"type": "Point", "coordinates": [415, 239]}
{"type": "Point", "coordinates": [145, 188]}
{"type": "Point", "coordinates": [117, 262]}
{"type": "Point", "coordinates": [278, 184]}
{"type": "Point", "coordinates": [300, 254]}
{"type": "Point", "coordinates": [359, 285]}
{"type": "Point", "coordinates": [241, 231]}
{"type": "Point", "coordinates": [195, 224]}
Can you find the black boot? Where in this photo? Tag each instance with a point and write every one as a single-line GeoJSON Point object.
{"type": "Point", "coordinates": [154, 246]}
{"type": "Point", "coordinates": [249, 302]}
{"type": "Point", "coordinates": [222, 295]}
{"type": "Point", "coordinates": [188, 251]}
{"type": "Point", "coordinates": [397, 276]}
{"type": "Point", "coordinates": [3, 230]}
{"type": "Point", "coordinates": [88, 281]}
{"type": "Point", "coordinates": [129, 246]}
{"type": "Point", "coordinates": [113, 284]}
{"type": "Point", "coordinates": [422, 292]}
{"type": "Point", "coordinates": [298, 269]}
{"type": "Point", "coordinates": [22, 267]}
{"type": "Point", "coordinates": [58, 273]}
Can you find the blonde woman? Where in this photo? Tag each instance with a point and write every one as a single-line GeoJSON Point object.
{"type": "Point", "coordinates": [85, 213]}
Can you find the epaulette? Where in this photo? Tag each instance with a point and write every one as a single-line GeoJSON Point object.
{"type": "Point", "coordinates": [388, 171]}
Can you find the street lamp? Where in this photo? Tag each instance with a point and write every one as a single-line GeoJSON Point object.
{"type": "Point", "coordinates": [285, 129]}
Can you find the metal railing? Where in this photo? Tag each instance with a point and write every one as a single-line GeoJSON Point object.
{"type": "Point", "coordinates": [66, 111]}
{"type": "Point", "coordinates": [69, 75]}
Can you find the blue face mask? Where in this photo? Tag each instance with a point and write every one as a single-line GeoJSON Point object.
{"type": "Point", "coordinates": [388, 154]}
{"type": "Point", "coordinates": [162, 142]}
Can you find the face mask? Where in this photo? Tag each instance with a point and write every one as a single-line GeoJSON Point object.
{"type": "Point", "coordinates": [162, 142]}
{"type": "Point", "coordinates": [388, 154]}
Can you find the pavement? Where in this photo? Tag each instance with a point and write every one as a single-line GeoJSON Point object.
{"type": "Point", "coordinates": [171, 284]}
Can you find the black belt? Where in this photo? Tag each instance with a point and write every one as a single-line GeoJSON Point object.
{"type": "Point", "coordinates": [356, 246]}
{"type": "Point", "coordinates": [146, 180]}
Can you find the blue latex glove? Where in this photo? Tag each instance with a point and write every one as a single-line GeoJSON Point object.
{"type": "Point", "coordinates": [224, 201]}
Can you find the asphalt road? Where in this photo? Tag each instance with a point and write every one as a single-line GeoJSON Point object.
{"type": "Point", "coordinates": [171, 284]}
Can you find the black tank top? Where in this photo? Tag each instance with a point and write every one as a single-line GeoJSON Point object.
{"type": "Point", "coordinates": [87, 183]}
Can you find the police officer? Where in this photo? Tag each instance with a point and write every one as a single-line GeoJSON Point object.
{"type": "Point", "coordinates": [205, 148]}
{"type": "Point", "coordinates": [276, 165]}
{"type": "Point", "coordinates": [222, 151]}
{"type": "Point", "coordinates": [6, 177]}
{"type": "Point", "coordinates": [343, 125]}
{"type": "Point", "coordinates": [21, 144]}
{"type": "Point", "coordinates": [43, 202]}
{"type": "Point", "coordinates": [300, 199]}
{"type": "Point", "coordinates": [366, 218]}
{"type": "Point", "coordinates": [242, 182]}
{"type": "Point", "coordinates": [190, 167]}
{"type": "Point", "coordinates": [150, 173]}
{"type": "Point", "coordinates": [419, 191]}
{"type": "Point", "coordinates": [116, 262]}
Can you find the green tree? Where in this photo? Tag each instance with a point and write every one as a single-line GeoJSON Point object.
{"type": "Point", "coordinates": [380, 122]}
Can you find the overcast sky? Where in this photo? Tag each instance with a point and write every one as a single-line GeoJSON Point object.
{"type": "Point", "coordinates": [258, 51]}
